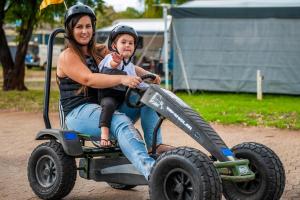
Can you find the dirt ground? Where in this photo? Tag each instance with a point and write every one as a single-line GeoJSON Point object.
{"type": "Point", "coordinates": [18, 130]}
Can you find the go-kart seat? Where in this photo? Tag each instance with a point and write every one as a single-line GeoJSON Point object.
{"type": "Point", "coordinates": [63, 126]}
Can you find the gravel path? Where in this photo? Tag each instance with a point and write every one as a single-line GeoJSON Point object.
{"type": "Point", "coordinates": [18, 130]}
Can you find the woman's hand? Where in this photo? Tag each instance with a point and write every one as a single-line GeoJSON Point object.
{"type": "Point", "coordinates": [131, 81]}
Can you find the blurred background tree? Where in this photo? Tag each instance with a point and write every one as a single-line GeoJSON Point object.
{"type": "Point", "coordinates": [108, 15]}
{"type": "Point", "coordinates": [25, 14]}
{"type": "Point", "coordinates": [152, 10]}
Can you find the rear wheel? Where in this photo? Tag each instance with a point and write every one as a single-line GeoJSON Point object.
{"type": "Point", "coordinates": [51, 173]}
{"type": "Point", "coordinates": [184, 173]}
{"type": "Point", "coordinates": [269, 179]}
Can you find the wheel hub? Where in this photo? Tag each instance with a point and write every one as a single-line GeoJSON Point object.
{"type": "Point", "coordinates": [45, 171]}
{"type": "Point", "coordinates": [178, 185]}
{"type": "Point", "coordinates": [179, 188]}
{"type": "Point", "coordinates": [251, 187]}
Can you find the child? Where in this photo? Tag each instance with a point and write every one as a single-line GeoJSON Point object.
{"type": "Point", "coordinates": [122, 42]}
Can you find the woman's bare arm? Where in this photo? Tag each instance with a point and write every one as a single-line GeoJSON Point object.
{"type": "Point", "coordinates": [70, 65]}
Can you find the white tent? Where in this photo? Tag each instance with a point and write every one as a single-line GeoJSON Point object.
{"type": "Point", "coordinates": [223, 43]}
{"type": "Point", "coordinates": [142, 26]}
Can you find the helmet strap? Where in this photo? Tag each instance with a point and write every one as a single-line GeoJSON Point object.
{"type": "Point", "coordinates": [126, 62]}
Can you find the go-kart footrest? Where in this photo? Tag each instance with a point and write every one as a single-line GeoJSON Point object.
{"type": "Point", "coordinates": [101, 151]}
{"type": "Point", "coordinates": [235, 171]}
{"type": "Point", "coordinates": [244, 178]}
{"type": "Point", "coordinates": [112, 170]}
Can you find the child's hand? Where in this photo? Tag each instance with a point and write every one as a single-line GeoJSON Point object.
{"type": "Point", "coordinates": [117, 58]}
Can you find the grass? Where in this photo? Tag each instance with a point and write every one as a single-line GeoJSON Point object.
{"type": "Point", "coordinates": [33, 73]}
{"type": "Point", "coordinates": [279, 111]}
{"type": "Point", "coordinates": [31, 100]}
{"type": "Point", "coordinates": [27, 101]}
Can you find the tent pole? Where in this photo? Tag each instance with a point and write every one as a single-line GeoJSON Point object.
{"type": "Point", "coordinates": [259, 79]}
{"type": "Point", "coordinates": [166, 64]}
{"type": "Point", "coordinates": [179, 53]}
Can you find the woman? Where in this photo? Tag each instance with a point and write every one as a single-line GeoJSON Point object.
{"type": "Point", "coordinates": [78, 84]}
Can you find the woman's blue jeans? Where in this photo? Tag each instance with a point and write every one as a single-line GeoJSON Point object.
{"type": "Point", "coordinates": [85, 119]}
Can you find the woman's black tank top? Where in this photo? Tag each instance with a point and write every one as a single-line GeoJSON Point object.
{"type": "Point", "coordinates": [70, 98]}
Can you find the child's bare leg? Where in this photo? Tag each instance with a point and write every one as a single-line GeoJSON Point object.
{"type": "Point", "coordinates": [104, 141]}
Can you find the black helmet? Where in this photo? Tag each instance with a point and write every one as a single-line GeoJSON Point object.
{"type": "Point", "coordinates": [80, 9]}
{"type": "Point", "coordinates": [122, 29]}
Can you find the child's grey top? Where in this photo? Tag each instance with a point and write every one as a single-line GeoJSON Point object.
{"type": "Point", "coordinates": [129, 68]}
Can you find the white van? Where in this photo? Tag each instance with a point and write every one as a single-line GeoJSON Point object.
{"type": "Point", "coordinates": [37, 48]}
{"type": "Point", "coordinates": [39, 40]}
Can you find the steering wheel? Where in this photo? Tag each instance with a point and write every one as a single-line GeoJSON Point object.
{"type": "Point", "coordinates": [137, 103]}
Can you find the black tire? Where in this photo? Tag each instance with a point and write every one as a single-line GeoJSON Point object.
{"type": "Point", "coordinates": [121, 186]}
{"type": "Point", "coordinates": [51, 173]}
{"type": "Point", "coordinates": [184, 173]}
{"type": "Point", "coordinates": [270, 176]}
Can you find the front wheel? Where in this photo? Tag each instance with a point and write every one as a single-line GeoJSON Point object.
{"type": "Point", "coordinates": [51, 173]}
{"type": "Point", "coordinates": [184, 173]}
{"type": "Point", "coordinates": [269, 179]}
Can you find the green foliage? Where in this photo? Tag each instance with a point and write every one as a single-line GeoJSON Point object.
{"type": "Point", "coordinates": [152, 10]}
{"type": "Point", "coordinates": [129, 13]}
{"type": "Point", "coordinates": [20, 10]}
{"type": "Point", "coordinates": [109, 15]}
{"type": "Point", "coordinates": [57, 11]}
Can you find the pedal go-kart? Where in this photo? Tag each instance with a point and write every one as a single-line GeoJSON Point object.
{"type": "Point", "coordinates": [248, 171]}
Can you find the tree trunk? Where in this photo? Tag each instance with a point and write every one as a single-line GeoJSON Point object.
{"type": "Point", "coordinates": [16, 78]}
{"type": "Point", "coordinates": [5, 56]}
{"type": "Point", "coordinates": [14, 72]}
{"type": "Point", "coordinates": [5, 59]}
